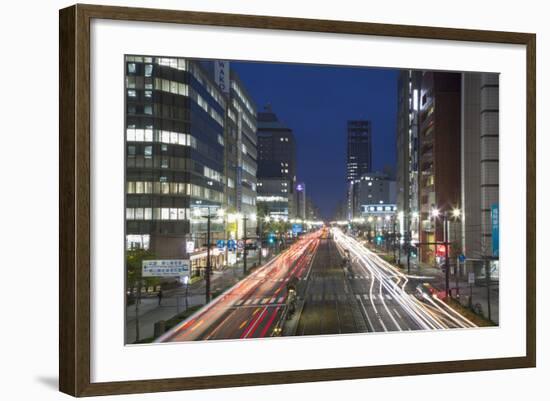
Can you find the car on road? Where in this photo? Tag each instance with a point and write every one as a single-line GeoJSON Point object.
{"type": "Point", "coordinates": [425, 289]}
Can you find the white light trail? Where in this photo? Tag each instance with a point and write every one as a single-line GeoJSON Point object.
{"type": "Point", "coordinates": [394, 282]}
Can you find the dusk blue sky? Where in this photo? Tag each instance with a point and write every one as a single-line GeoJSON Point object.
{"type": "Point", "coordinates": [316, 102]}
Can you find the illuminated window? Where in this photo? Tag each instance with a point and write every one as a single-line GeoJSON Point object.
{"type": "Point", "coordinates": [148, 152]}
{"type": "Point", "coordinates": [140, 135]}
{"type": "Point", "coordinates": [130, 213]}
{"type": "Point", "coordinates": [148, 70]}
{"type": "Point", "coordinates": [138, 213]}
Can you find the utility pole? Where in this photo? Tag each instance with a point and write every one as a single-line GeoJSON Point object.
{"type": "Point", "coordinates": [260, 240]}
{"type": "Point", "coordinates": [138, 301]}
{"type": "Point", "coordinates": [488, 283]}
{"type": "Point", "coordinates": [208, 266]}
{"type": "Point", "coordinates": [244, 244]}
{"type": "Point", "coordinates": [394, 237]}
{"type": "Point", "coordinates": [446, 237]}
{"type": "Point", "coordinates": [408, 244]}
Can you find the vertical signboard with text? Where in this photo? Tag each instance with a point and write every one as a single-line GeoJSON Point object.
{"type": "Point", "coordinates": [494, 228]}
{"type": "Point", "coordinates": [221, 75]}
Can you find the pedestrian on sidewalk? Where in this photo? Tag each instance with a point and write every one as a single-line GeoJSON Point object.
{"type": "Point", "coordinates": [159, 295]}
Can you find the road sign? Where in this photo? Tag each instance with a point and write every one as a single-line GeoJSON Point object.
{"type": "Point", "coordinates": [471, 278]}
{"type": "Point", "coordinates": [190, 246]}
{"type": "Point", "coordinates": [240, 244]}
{"type": "Point", "coordinates": [231, 244]}
{"type": "Point", "coordinates": [165, 268]}
{"type": "Point", "coordinates": [220, 243]}
{"type": "Point", "coordinates": [297, 228]}
{"type": "Point", "coordinates": [461, 258]}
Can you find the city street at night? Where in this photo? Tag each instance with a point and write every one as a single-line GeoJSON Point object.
{"type": "Point", "coordinates": [361, 293]}
{"type": "Point", "coordinates": [255, 306]}
{"type": "Point", "coordinates": [325, 200]}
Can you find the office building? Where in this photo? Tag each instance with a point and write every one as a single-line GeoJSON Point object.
{"type": "Point", "coordinates": [276, 166]}
{"type": "Point", "coordinates": [178, 168]}
{"type": "Point", "coordinates": [300, 200]}
{"type": "Point", "coordinates": [480, 171]}
{"type": "Point", "coordinates": [374, 189]}
{"type": "Point", "coordinates": [408, 97]}
{"type": "Point", "coordinates": [247, 157]}
{"type": "Point", "coordinates": [439, 155]}
{"type": "Point", "coordinates": [359, 156]}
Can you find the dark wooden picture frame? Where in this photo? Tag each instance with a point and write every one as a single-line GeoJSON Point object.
{"type": "Point", "coordinates": [74, 204]}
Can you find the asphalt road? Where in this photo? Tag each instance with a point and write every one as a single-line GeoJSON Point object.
{"type": "Point", "coordinates": [253, 307]}
{"type": "Point", "coordinates": [342, 287]}
{"type": "Point", "coordinates": [387, 299]}
{"type": "Point", "coordinates": [329, 304]}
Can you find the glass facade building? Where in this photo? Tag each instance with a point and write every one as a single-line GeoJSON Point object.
{"type": "Point", "coordinates": [178, 122]}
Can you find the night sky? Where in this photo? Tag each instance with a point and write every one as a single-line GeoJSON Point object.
{"type": "Point", "coordinates": [316, 102]}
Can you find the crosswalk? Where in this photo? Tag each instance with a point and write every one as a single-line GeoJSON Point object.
{"type": "Point", "coordinates": [259, 301]}
{"type": "Point", "coordinates": [268, 301]}
{"type": "Point", "coordinates": [325, 278]}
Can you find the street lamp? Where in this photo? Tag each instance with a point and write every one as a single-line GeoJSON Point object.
{"type": "Point", "coordinates": [245, 218]}
{"type": "Point", "coordinates": [198, 213]}
{"type": "Point", "coordinates": [457, 213]}
{"type": "Point", "coordinates": [266, 219]}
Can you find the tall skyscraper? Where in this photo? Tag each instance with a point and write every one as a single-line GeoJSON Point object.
{"type": "Point", "coordinates": [276, 166]}
{"type": "Point", "coordinates": [408, 98]}
{"type": "Point", "coordinates": [359, 151]}
{"type": "Point", "coordinates": [439, 154]}
{"type": "Point", "coordinates": [359, 157]}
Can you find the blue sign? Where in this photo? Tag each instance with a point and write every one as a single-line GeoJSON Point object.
{"type": "Point", "coordinates": [231, 244]}
{"type": "Point", "coordinates": [220, 243]}
{"type": "Point", "coordinates": [461, 258]}
{"type": "Point", "coordinates": [297, 228]}
{"type": "Point", "coordinates": [494, 228]}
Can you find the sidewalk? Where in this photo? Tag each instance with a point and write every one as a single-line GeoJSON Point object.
{"type": "Point", "coordinates": [173, 301]}
{"type": "Point", "coordinates": [436, 277]}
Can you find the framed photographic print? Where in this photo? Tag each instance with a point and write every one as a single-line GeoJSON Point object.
{"type": "Point", "coordinates": [250, 200]}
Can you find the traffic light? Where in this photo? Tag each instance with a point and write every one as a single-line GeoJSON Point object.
{"type": "Point", "coordinates": [379, 239]}
{"type": "Point", "coordinates": [271, 238]}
